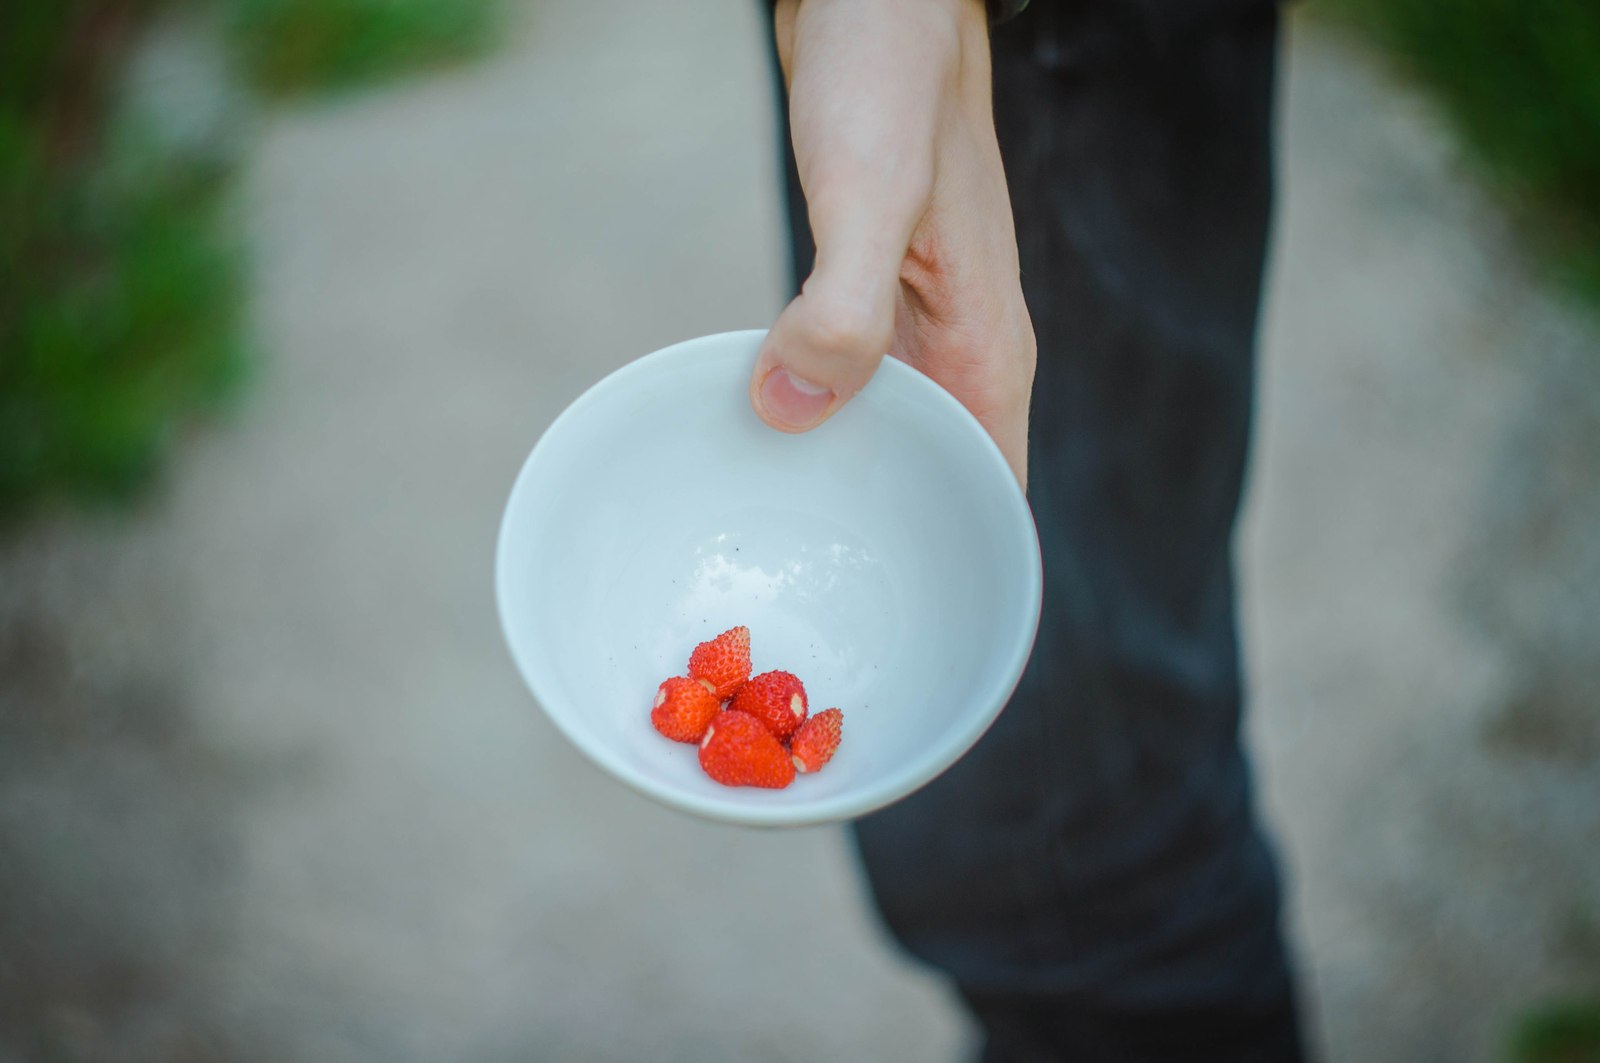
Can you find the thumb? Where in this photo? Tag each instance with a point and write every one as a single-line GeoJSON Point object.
{"type": "Point", "coordinates": [828, 342]}
{"type": "Point", "coordinates": [863, 102]}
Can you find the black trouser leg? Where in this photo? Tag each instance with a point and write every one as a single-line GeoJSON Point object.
{"type": "Point", "coordinates": [1092, 875]}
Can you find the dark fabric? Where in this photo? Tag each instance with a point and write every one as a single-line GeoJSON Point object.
{"type": "Point", "coordinates": [1089, 34]}
{"type": "Point", "coordinates": [1000, 10]}
{"type": "Point", "coordinates": [1049, 1030]}
{"type": "Point", "coordinates": [1092, 875]}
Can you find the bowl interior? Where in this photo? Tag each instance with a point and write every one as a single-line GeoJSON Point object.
{"type": "Point", "coordinates": [886, 558]}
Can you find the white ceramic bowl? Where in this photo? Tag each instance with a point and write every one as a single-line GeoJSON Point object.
{"type": "Point", "coordinates": [887, 558]}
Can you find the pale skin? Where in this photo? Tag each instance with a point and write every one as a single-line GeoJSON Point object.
{"type": "Point", "coordinates": [890, 109]}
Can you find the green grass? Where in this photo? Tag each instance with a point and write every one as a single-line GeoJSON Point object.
{"type": "Point", "coordinates": [121, 281]}
{"type": "Point", "coordinates": [120, 304]}
{"type": "Point", "coordinates": [121, 321]}
{"type": "Point", "coordinates": [1520, 80]}
{"type": "Point", "coordinates": [290, 46]}
{"type": "Point", "coordinates": [1559, 1033]}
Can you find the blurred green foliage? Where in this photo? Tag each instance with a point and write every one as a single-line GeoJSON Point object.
{"type": "Point", "coordinates": [1560, 1033]}
{"type": "Point", "coordinates": [1520, 79]}
{"type": "Point", "coordinates": [121, 281]}
{"type": "Point", "coordinates": [120, 304]}
{"type": "Point", "coordinates": [120, 319]}
{"type": "Point", "coordinates": [294, 45]}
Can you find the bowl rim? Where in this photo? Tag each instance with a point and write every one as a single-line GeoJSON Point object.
{"type": "Point", "coordinates": [837, 807]}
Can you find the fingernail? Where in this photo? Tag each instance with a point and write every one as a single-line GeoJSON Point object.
{"type": "Point", "coordinates": [791, 401]}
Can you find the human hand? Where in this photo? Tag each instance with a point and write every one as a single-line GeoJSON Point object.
{"type": "Point", "coordinates": [890, 112]}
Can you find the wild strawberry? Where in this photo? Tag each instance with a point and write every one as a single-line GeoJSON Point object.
{"type": "Point", "coordinates": [684, 709]}
{"type": "Point", "coordinates": [738, 750]}
{"type": "Point", "coordinates": [815, 741]}
{"type": "Point", "coordinates": [723, 663]}
{"type": "Point", "coordinates": [777, 699]}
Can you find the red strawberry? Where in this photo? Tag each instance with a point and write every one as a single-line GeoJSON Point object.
{"type": "Point", "coordinates": [683, 709]}
{"type": "Point", "coordinates": [738, 750]}
{"type": "Point", "coordinates": [777, 699]}
{"type": "Point", "coordinates": [723, 663]}
{"type": "Point", "coordinates": [818, 737]}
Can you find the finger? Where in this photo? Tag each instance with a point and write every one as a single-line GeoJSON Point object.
{"type": "Point", "coordinates": [863, 103]}
{"type": "Point", "coordinates": [826, 344]}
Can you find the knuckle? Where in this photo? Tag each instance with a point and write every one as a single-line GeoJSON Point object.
{"type": "Point", "coordinates": [848, 329]}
